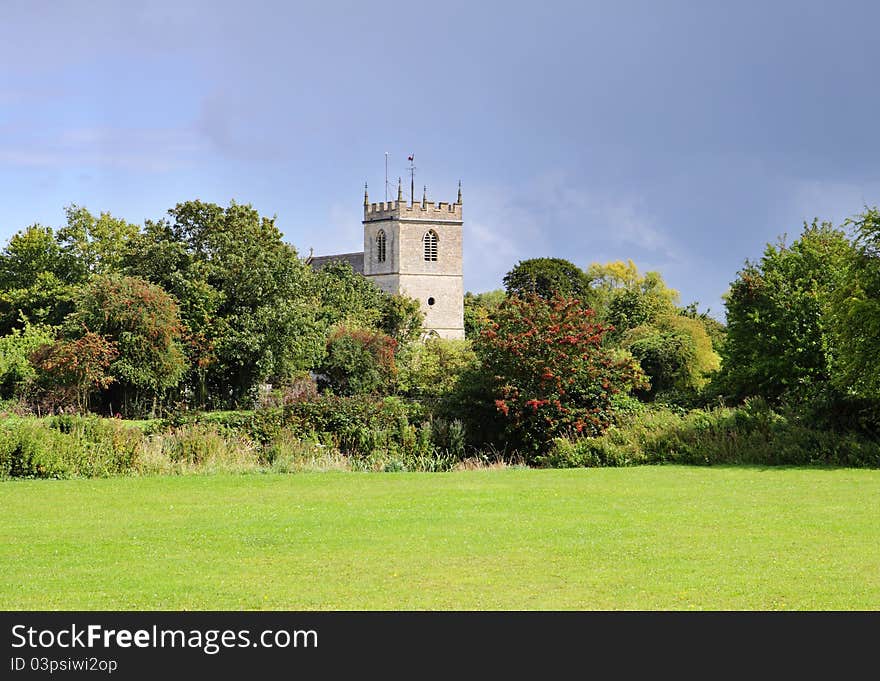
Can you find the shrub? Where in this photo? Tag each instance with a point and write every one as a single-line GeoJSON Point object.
{"type": "Point", "coordinates": [70, 371]}
{"type": "Point", "coordinates": [751, 434]}
{"type": "Point", "coordinates": [68, 446]}
{"type": "Point", "coordinates": [17, 374]}
{"type": "Point", "coordinates": [359, 362]}
{"type": "Point", "coordinates": [143, 323]}
{"type": "Point", "coordinates": [548, 373]}
{"type": "Point", "coordinates": [433, 369]}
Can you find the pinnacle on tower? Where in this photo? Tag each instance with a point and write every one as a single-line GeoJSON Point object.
{"type": "Point", "coordinates": [424, 196]}
{"type": "Point", "coordinates": [399, 190]}
{"type": "Point", "coordinates": [459, 193]}
{"type": "Point", "coordinates": [366, 198]}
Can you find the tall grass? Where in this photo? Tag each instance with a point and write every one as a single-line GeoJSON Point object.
{"type": "Point", "coordinates": [751, 434]}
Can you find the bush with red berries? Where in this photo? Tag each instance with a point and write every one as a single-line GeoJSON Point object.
{"type": "Point", "coordinates": [548, 373]}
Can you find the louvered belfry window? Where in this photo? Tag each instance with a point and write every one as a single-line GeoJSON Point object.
{"type": "Point", "coordinates": [430, 240]}
{"type": "Point", "coordinates": [380, 246]}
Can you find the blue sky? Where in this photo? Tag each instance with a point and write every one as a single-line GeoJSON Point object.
{"type": "Point", "coordinates": [683, 135]}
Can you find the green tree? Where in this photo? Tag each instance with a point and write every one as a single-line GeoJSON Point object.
{"type": "Point", "coordinates": [853, 312]}
{"type": "Point", "coordinates": [359, 361]}
{"type": "Point", "coordinates": [402, 318]}
{"type": "Point", "coordinates": [478, 309]}
{"type": "Point", "coordinates": [245, 297]}
{"type": "Point", "coordinates": [626, 299]}
{"type": "Point", "coordinates": [676, 353]}
{"type": "Point", "coordinates": [547, 277]}
{"type": "Point", "coordinates": [433, 368]}
{"type": "Point", "coordinates": [143, 323]}
{"type": "Point", "coordinates": [95, 245]}
{"type": "Point", "coordinates": [37, 280]}
{"type": "Point", "coordinates": [347, 298]}
{"type": "Point", "coordinates": [777, 341]}
{"type": "Point", "coordinates": [17, 374]}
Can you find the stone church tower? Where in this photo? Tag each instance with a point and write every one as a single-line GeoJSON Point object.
{"type": "Point", "coordinates": [416, 249]}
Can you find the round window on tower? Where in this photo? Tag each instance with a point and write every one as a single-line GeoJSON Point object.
{"type": "Point", "coordinates": [430, 301]}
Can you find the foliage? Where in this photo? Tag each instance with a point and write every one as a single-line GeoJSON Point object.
{"type": "Point", "coordinates": [68, 446]}
{"type": "Point", "coordinates": [547, 277]}
{"type": "Point", "coordinates": [548, 372]}
{"type": "Point", "coordinates": [751, 434]}
{"type": "Point", "coordinates": [245, 297]}
{"type": "Point", "coordinates": [478, 309]}
{"type": "Point", "coordinates": [853, 313]}
{"type": "Point", "coordinates": [402, 318]}
{"type": "Point", "coordinates": [359, 361]}
{"type": "Point", "coordinates": [37, 280]}
{"type": "Point", "coordinates": [17, 374]}
{"type": "Point", "coordinates": [676, 353]}
{"type": "Point", "coordinates": [433, 369]}
{"type": "Point", "coordinates": [626, 299]}
{"type": "Point", "coordinates": [777, 340]}
{"type": "Point", "coordinates": [346, 298]}
{"type": "Point", "coordinates": [143, 323]}
{"type": "Point", "coordinates": [716, 330]}
{"type": "Point", "coordinates": [95, 245]}
{"type": "Point", "coordinates": [70, 371]}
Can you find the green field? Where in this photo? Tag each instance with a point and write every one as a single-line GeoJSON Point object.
{"type": "Point", "coordinates": [640, 538]}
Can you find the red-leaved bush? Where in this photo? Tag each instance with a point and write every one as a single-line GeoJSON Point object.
{"type": "Point", "coordinates": [548, 371]}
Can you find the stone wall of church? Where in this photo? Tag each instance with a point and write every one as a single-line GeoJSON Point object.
{"type": "Point", "coordinates": [436, 284]}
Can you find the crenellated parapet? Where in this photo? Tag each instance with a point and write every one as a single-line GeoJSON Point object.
{"type": "Point", "coordinates": [402, 210]}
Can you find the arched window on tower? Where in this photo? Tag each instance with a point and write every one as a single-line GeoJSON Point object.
{"type": "Point", "coordinates": [430, 241]}
{"type": "Point", "coordinates": [380, 246]}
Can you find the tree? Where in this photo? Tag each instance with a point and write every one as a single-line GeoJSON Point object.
{"type": "Point", "coordinates": [676, 353]}
{"type": "Point", "coordinates": [37, 280]}
{"type": "Point", "coordinates": [548, 372]}
{"type": "Point", "coordinates": [625, 299]}
{"type": "Point", "coordinates": [777, 342]}
{"type": "Point", "coordinates": [245, 296]}
{"type": "Point", "coordinates": [17, 374]}
{"type": "Point", "coordinates": [95, 245]}
{"type": "Point", "coordinates": [434, 368]}
{"type": "Point", "coordinates": [478, 308]}
{"type": "Point", "coordinates": [73, 369]}
{"type": "Point", "coordinates": [547, 277]}
{"type": "Point", "coordinates": [359, 361]}
{"type": "Point", "coordinates": [402, 318]}
{"type": "Point", "coordinates": [853, 312]}
{"type": "Point", "coordinates": [346, 297]}
{"type": "Point", "coordinates": [143, 323]}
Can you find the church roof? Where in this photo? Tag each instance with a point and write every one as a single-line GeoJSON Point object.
{"type": "Point", "coordinates": [356, 260]}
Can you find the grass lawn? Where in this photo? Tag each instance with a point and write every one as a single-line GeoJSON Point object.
{"type": "Point", "coordinates": [658, 537]}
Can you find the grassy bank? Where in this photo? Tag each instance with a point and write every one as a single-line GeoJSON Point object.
{"type": "Point", "coordinates": [659, 537]}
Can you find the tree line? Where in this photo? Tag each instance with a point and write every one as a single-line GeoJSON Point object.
{"type": "Point", "coordinates": [198, 308]}
{"type": "Point", "coordinates": [208, 306]}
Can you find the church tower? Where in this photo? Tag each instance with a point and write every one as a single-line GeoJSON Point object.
{"type": "Point", "coordinates": [415, 249]}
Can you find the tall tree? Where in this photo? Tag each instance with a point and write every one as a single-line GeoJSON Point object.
{"type": "Point", "coordinates": [777, 341]}
{"type": "Point", "coordinates": [854, 313]}
{"type": "Point", "coordinates": [96, 245]}
{"type": "Point", "coordinates": [243, 292]}
{"type": "Point", "coordinates": [547, 277]}
{"type": "Point", "coordinates": [38, 281]}
{"type": "Point", "coordinates": [624, 298]}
